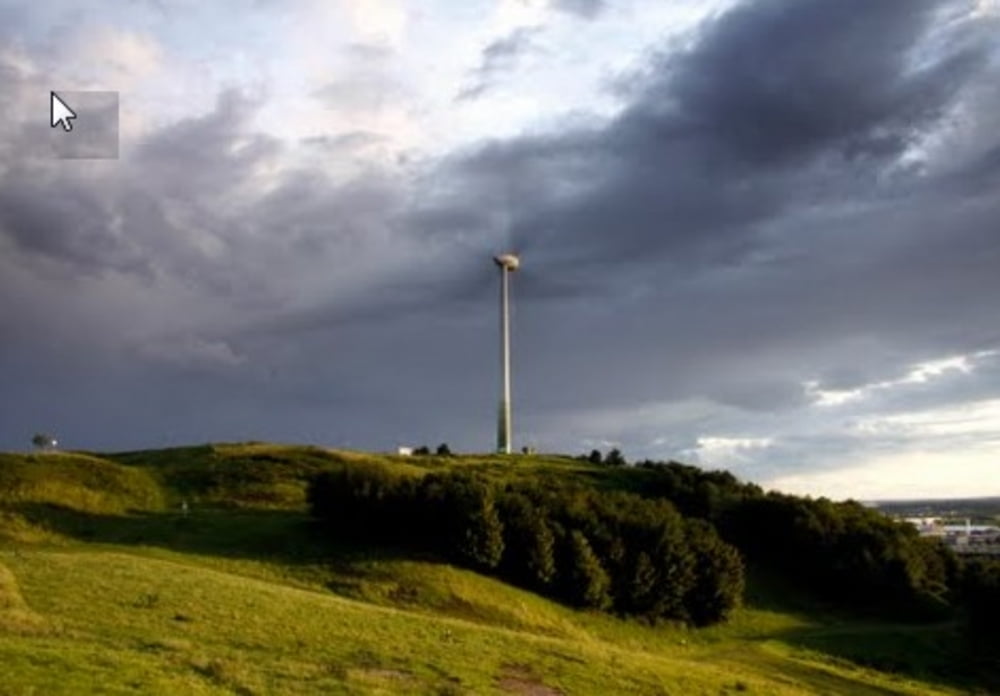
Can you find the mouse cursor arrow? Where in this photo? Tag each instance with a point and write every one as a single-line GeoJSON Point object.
{"type": "Point", "coordinates": [60, 113]}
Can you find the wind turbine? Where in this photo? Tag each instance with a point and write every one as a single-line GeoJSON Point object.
{"type": "Point", "coordinates": [507, 263]}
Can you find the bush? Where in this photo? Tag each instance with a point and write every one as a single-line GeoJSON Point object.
{"type": "Point", "coordinates": [367, 502]}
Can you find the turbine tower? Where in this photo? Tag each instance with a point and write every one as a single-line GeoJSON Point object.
{"type": "Point", "coordinates": [508, 263]}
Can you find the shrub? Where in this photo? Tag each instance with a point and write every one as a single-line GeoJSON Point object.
{"type": "Point", "coordinates": [363, 502]}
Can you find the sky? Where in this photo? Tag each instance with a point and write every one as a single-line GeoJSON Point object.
{"type": "Point", "coordinates": [756, 235]}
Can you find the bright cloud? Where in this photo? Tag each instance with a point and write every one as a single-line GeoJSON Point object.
{"type": "Point", "coordinates": [920, 373]}
{"type": "Point", "coordinates": [918, 473]}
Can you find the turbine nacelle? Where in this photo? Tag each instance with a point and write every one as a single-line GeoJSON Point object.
{"type": "Point", "coordinates": [508, 262]}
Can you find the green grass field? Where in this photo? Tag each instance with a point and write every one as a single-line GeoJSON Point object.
{"type": "Point", "coordinates": [107, 587]}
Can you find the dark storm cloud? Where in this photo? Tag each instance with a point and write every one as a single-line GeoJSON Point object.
{"type": "Point", "coordinates": [204, 156]}
{"type": "Point", "coordinates": [712, 270]}
{"type": "Point", "coordinates": [772, 82]}
{"type": "Point", "coordinates": [981, 176]}
{"type": "Point", "coordinates": [758, 216]}
{"type": "Point", "coordinates": [777, 107]}
{"type": "Point", "coordinates": [776, 101]}
{"type": "Point", "coordinates": [74, 226]}
{"type": "Point", "coordinates": [749, 223]}
{"type": "Point", "coordinates": [498, 59]}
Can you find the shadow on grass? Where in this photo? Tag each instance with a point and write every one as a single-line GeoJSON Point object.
{"type": "Point", "coordinates": [938, 652]}
{"type": "Point", "coordinates": [285, 536]}
{"type": "Point", "coordinates": [934, 653]}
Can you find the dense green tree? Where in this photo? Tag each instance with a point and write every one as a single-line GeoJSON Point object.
{"type": "Point", "coordinates": [640, 591]}
{"type": "Point", "coordinates": [482, 539]}
{"type": "Point", "coordinates": [529, 544]}
{"type": "Point", "coordinates": [719, 581]}
{"type": "Point", "coordinates": [659, 533]}
{"type": "Point", "coordinates": [615, 458]}
{"type": "Point", "coordinates": [584, 580]}
{"type": "Point", "coordinates": [467, 515]}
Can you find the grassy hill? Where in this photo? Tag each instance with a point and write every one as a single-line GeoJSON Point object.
{"type": "Point", "coordinates": [107, 586]}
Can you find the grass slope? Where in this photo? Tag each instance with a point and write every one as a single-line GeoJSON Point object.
{"type": "Point", "coordinates": [105, 587]}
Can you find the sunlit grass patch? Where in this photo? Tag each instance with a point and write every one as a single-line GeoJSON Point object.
{"type": "Point", "coordinates": [76, 481]}
{"type": "Point", "coordinates": [16, 617]}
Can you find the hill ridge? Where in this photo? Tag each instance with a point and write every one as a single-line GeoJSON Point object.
{"type": "Point", "coordinates": [396, 622]}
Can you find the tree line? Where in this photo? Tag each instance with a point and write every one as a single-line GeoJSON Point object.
{"type": "Point", "coordinates": [853, 556]}
{"type": "Point", "coordinates": [614, 551]}
{"type": "Point", "coordinates": [660, 541]}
